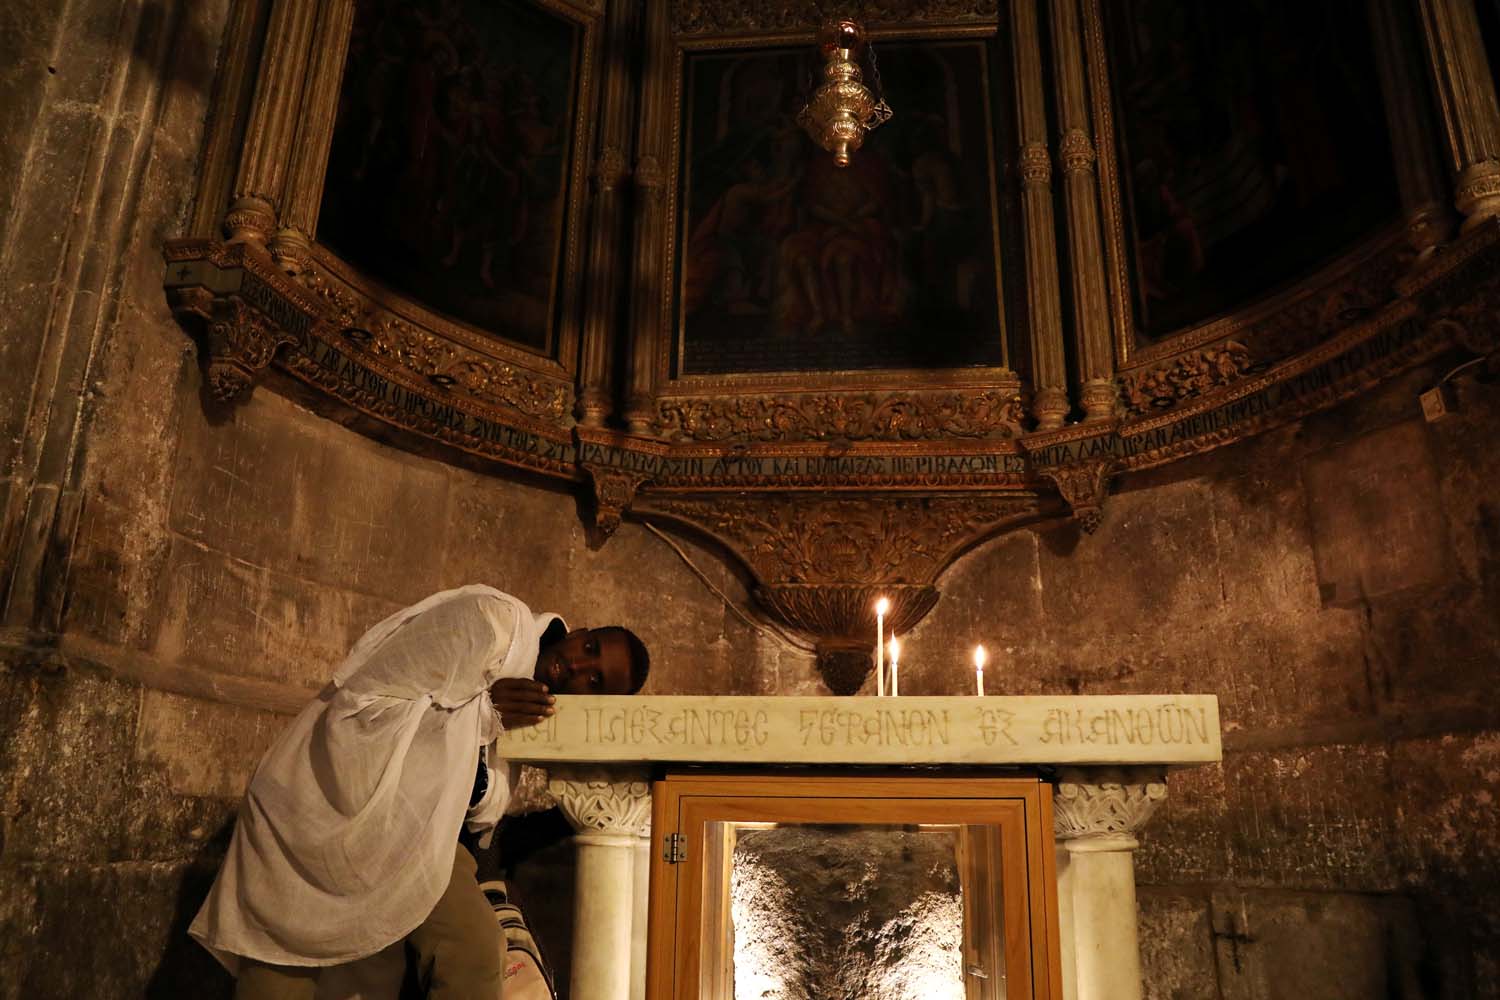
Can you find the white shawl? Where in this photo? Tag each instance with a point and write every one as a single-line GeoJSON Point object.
{"type": "Point", "coordinates": [346, 835]}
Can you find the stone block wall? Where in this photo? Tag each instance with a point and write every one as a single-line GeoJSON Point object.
{"type": "Point", "coordinates": [1337, 584]}
{"type": "Point", "coordinates": [176, 580]}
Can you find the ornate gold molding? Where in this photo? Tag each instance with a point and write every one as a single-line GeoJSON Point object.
{"type": "Point", "coordinates": [895, 416]}
{"type": "Point", "coordinates": [820, 561]}
{"type": "Point", "coordinates": [1186, 376]}
{"type": "Point", "coordinates": [733, 17]}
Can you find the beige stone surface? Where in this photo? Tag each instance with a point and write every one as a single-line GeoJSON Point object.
{"type": "Point", "coordinates": [1124, 729]}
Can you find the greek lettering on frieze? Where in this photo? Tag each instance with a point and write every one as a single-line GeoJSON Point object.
{"type": "Point", "coordinates": [1123, 729]}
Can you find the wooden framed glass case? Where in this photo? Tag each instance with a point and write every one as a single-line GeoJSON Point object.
{"type": "Point", "coordinates": [920, 887]}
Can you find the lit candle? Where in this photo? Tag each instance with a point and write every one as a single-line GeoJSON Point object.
{"type": "Point", "coordinates": [881, 607]}
{"type": "Point", "coordinates": [979, 671]}
{"type": "Point", "coordinates": [895, 665]}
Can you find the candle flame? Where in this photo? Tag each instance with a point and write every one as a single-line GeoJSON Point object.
{"type": "Point", "coordinates": [979, 657]}
{"type": "Point", "coordinates": [894, 648]}
{"type": "Point", "coordinates": [882, 606]}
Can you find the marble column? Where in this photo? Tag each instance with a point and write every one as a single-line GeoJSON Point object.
{"type": "Point", "coordinates": [1097, 813]}
{"type": "Point", "coordinates": [1049, 374]}
{"type": "Point", "coordinates": [1466, 95]}
{"type": "Point", "coordinates": [610, 808]}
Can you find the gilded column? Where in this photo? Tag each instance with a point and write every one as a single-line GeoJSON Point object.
{"type": "Point", "coordinates": [610, 808]}
{"type": "Point", "coordinates": [595, 401]}
{"type": "Point", "coordinates": [1414, 148]}
{"type": "Point", "coordinates": [1091, 324]}
{"type": "Point", "coordinates": [650, 220]}
{"type": "Point", "coordinates": [267, 154]}
{"type": "Point", "coordinates": [1097, 812]}
{"type": "Point", "coordinates": [1466, 95]}
{"type": "Point", "coordinates": [309, 156]}
{"type": "Point", "coordinates": [1049, 373]}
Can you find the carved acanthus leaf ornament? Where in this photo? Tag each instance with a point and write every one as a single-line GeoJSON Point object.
{"type": "Point", "coordinates": [863, 540]}
{"type": "Point", "coordinates": [897, 416]}
{"type": "Point", "coordinates": [1184, 377]}
{"type": "Point", "coordinates": [239, 343]}
{"type": "Point", "coordinates": [603, 801]}
{"type": "Point", "coordinates": [1105, 807]}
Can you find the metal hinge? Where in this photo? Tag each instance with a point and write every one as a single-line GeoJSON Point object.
{"type": "Point", "coordinates": [674, 848]}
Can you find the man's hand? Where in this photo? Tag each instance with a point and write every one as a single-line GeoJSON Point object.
{"type": "Point", "coordinates": [521, 701]}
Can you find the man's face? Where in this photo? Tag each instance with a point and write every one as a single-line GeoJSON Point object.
{"type": "Point", "coordinates": [586, 661]}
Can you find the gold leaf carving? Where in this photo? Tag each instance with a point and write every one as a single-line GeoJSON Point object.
{"type": "Point", "coordinates": [438, 359]}
{"type": "Point", "coordinates": [845, 541]}
{"type": "Point", "coordinates": [706, 17]}
{"type": "Point", "coordinates": [1185, 376]}
{"type": "Point", "coordinates": [990, 413]}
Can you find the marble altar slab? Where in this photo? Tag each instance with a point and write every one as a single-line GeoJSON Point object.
{"type": "Point", "coordinates": [1177, 729]}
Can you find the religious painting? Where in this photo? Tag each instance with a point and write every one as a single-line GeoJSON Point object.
{"type": "Point", "coordinates": [787, 262]}
{"type": "Point", "coordinates": [1252, 148]}
{"type": "Point", "coordinates": [448, 176]}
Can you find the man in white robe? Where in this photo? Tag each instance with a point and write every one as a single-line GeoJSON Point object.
{"type": "Point", "coordinates": [348, 837]}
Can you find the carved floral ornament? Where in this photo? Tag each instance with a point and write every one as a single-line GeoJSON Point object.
{"type": "Point", "coordinates": [603, 802]}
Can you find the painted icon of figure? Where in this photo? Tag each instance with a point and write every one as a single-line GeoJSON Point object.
{"type": "Point", "coordinates": [840, 266]}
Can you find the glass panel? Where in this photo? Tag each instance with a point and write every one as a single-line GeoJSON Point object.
{"type": "Point", "coordinates": [851, 912]}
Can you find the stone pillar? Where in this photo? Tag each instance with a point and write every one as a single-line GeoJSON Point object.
{"type": "Point", "coordinates": [641, 915]}
{"type": "Point", "coordinates": [1414, 148]}
{"type": "Point", "coordinates": [303, 195]}
{"type": "Point", "coordinates": [1049, 374]}
{"type": "Point", "coordinates": [1097, 814]}
{"type": "Point", "coordinates": [273, 122]}
{"type": "Point", "coordinates": [1466, 94]}
{"type": "Point", "coordinates": [611, 810]}
{"type": "Point", "coordinates": [1091, 326]}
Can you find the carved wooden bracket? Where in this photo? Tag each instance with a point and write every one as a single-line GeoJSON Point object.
{"type": "Point", "coordinates": [613, 492]}
{"type": "Point", "coordinates": [1085, 487]}
{"type": "Point", "coordinates": [820, 561]}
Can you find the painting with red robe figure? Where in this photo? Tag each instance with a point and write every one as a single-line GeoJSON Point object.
{"type": "Point", "coordinates": [1252, 147]}
{"type": "Point", "coordinates": [788, 262]}
{"type": "Point", "coordinates": [448, 176]}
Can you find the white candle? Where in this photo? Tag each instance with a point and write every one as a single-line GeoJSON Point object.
{"type": "Point", "coordinates": [895, 665]}
{"type": "Point", "coordinates": [881, 607]}
{"type": "Point", "coordinates": [979, 671]}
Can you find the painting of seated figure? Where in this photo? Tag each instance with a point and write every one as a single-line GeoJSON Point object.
{"type": "Point", "coordinates": [788, 262]}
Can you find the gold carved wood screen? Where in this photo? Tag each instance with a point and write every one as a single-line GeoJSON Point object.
{"type": "Point", "coordinates": [580, 239]}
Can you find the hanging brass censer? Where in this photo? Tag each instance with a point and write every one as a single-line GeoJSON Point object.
{"type": "Point", "coordinates": [842, 109]}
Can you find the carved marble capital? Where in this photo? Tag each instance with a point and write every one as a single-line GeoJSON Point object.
{"type": "Point", "coordinates": [605, 805]}
{"type": "Point", "coordinates": [1101, 809]}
